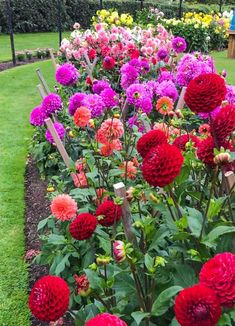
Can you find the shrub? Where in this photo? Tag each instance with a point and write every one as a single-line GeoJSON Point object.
{"type": "Point", "coordinates": [20, 56]}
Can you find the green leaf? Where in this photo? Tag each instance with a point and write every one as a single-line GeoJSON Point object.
{"type": "Point", "coordinates": [174, 322]}
{"type": "Point", "coordinates": [62, 264]}
{"type": "Point", "coordinates": [115, 172]}
{"type": "Point", "coordinates": [56, 239]}
{"type": "Point", "coordinates": [194, 221]}
{"type": "Point", "coordinates": [149, 262]}
{"type": "Point", "coordinates": [43, 223]}
{"type": "Point", "coordinates": [95, 281]}
{"type": "Point", "coordinates": [161, 304]}
{"type": "Point", "coordinates": [184, 275]}
{"type": "Point", "coordinates": [225, 320]}
{"type": "Point", "coordinates": [215, 207]}
{"type": "Point", "coordinates": [138, 316]}
{"type": "Point", "coordinates": [217, 232]}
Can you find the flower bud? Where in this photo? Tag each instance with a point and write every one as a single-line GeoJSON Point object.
{"type": "Point", "coordinates": [160, 261]}
{"type": "Point", "coordinates": [91, 123]}
{"type": "Point", "coordinates": [119, 251]}
{"type": "Point", "coordinates": [50, 189]}
{"type": "Point", "coordinates": [222, 158]}
{"type": "Point", "coordinates": [154, 198]}
{"type": "Point", "coordinates": [93, 267]}
{"type": "Point", "coordinates": [103, 260]}
{"type": "Point", "coordinates": [82, 285]}
{"type": "Point", "coordinates": [71, 134]}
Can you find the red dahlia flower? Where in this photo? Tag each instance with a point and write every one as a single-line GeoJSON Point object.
{"type": "Point", "coordinates": [205, 151]}
{"type": "Point", "coordinates": [224, 122]}
{"type": "Point", "coordinates": [109, 212]}
{"type": "Point", "coordinates": [105, 319]}
{"type": "Point", "coordinates": [82, 285]}
{"type": "Point", "coordinates": [219, 274]}
{"type": "Point", "coordinates": [150, 140]}
{"type": "Point", "coordinates": [197, 306]}
{"type": "Point", "coordinates": [205, 92]}
{"type": "Point", "coordinates": [49, 298]}
{"type": "Point", "coordinates": [182, 140]}
{"type": "Point", "coordinates": [108, 63]}
{"type": "Point", "coordinates": [162, 164]}
{"type": "Point", "coordinates": [83, 226]}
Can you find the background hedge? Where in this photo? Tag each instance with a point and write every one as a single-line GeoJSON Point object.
{"type": "Point", "coordinates": [42, 15]}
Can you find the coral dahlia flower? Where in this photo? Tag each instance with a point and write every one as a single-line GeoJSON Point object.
{"type": "Point", "coordinates": [63, 207]}
{"type": "Point", "coordinates": [82, 116]}
{"type": "Point", "coordinates": [164, 105]}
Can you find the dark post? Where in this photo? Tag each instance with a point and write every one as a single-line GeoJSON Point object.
{"type": "Point", "coordinates": [141, 4]}
{"type": "Point", "coordinates": [220, 6]}
{"type": "Point", "coordinates": [180, 9]}
{"type": "Point", "coordinates": [10, 29]}
{"type": "Point", "coordinates": [101, 4]}
{"type": "Point", "coordinates": [59, 21]}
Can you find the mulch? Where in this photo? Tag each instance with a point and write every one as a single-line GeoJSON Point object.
{"type": "Point", "coordinates": [9, 65]}
{"type": "Point", "coordinates": [37, 208]}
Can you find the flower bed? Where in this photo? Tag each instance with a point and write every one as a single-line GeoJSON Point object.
{"type": "Point", "coordinates": [142, 206]}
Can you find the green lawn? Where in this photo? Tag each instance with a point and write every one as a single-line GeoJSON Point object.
{"type": "Point", "coordinates": [28, 41]}
{"type": "Point", "coordinates": [222, 62]}
{"type": "Point", "coordinates": [17, 97]}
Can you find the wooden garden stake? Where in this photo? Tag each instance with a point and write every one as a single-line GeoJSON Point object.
{"type": "Point", "coordinates": [181, 101]}
{"type": "Point", "coordinates": [43, 81]}
{"type": "Point", "coordinates": [120, 191]}
{"type": "Point", "coordinates": [230, 181]}
{"type": "Point", "coordinates": [53, 59]}
{"type": "Point", "coordinates": [41, 91]}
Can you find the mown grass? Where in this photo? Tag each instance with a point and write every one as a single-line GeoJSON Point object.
{"type": "Point", "coordinates": [222, 62]}
{"type": "Point", "coordinates": [28, 41]}
{"type": "Point", "coordinates": [17, 97]}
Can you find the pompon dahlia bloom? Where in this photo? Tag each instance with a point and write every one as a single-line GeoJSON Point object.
{"type": "Point", "coordinates": [219, 275]}
{"type": "Point", "coordinates": [37, 116]}
{"type": "Point", "coordinates": [95, 104]}
{"type": "Point", "coordinates": [99, 85]}
{"type": "Point", "coordinates": [75, 102]}
{"type": "Point", "coordinates": [197, 306]}
{"type": "Point", "coordinates": [182, 140]}
{"type": "Point", "coordinates": [111, 129]}
{"type": "Point", "coordinates": [109, 63]}
{"type": "Point", "coordinates": [67, 75]}
{"type": "Point", "coordinates": [63, 207]}
{"type": "Point", "coordinates": [80, 180]}
{"type": "Point", "coordinates": [51, 103]}
{"type": "Point", "coordinates": [150, 140]}
{"type": "Point", "coordinates": [59, 129]}
{"type": "Point", "coordinates": [83, 226]}
{"type": "Point", "coordinates": [205, 92]}
{"type": "Point", "coordinates": [108, 213]}
{"type": "Point", "coordinates": [110, 98]}
{"type": "Point", "coordinates": [224, 122]}
{"type": "Point", "coordinates": [129, 75]}
{"type": "Point", "coordinates": [49, 298]}
{"type": "Point", "coordinates": [108, 148]}
{"type": "Point", "coordinates": [204, 129]}
{"type": "Point", "coordinates": [179, 44]}
{"type": "Point", "coordinates": [167, 88]}
{"type": "Point", "coordinates": [164, 105]}
{"type": "Point", "coordinates": [82, 285]}
{"type": "Point", "coordinates": [82, 116]}
{"type": "Point", "coordinates": [205, 151]}
{"type": "Point", "coordinates": [191, 66]}
{"type": "Point", "coordinates": [135, 94]}
{"type": "Point", "coordinates": [162, 164]}
{"type": "Point", "coordinates": [105, 319]}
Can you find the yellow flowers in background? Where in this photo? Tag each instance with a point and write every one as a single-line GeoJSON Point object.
{"type": "Point", "coordinates": [112, 17]}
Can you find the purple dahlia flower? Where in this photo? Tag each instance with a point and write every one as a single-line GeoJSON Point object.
{"type": "Point", "coordinates": [135, 94]}
{"type": "Point", "coordinates": [75, 102]}
{"type": "Point", "coordinates": [110, 98]}
{"type": "Point", "coordinates": [179, 44]}
{"type": "Point", "coordinates": [95, 104]}
{"type": "Point", "coordinates": [168, 88]}
{"type": "Point", "coordinates": [37, 116]}
{"type": "Point", "coordinates": [99, 85]}
{"type": "Point", "coordinates": [51, 103]}
{"type": "Point", "coordinates": [60, 131]}
{"type": "Point", "coordinates": [162, 54]}
{"type": "Point", "coordinates": [67, 75]}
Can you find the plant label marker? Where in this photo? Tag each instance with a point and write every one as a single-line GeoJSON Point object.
{"type": "Point", "coordinates": [43, 81]}
{"type": "Point", "coordinates": [120, 191]}
{"type": "Point", "coordinates": [181, 101]}
{"type": "Point", "coordinates": [53, 59]}
{"type": "Point", "coordinates": [146, 123]}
